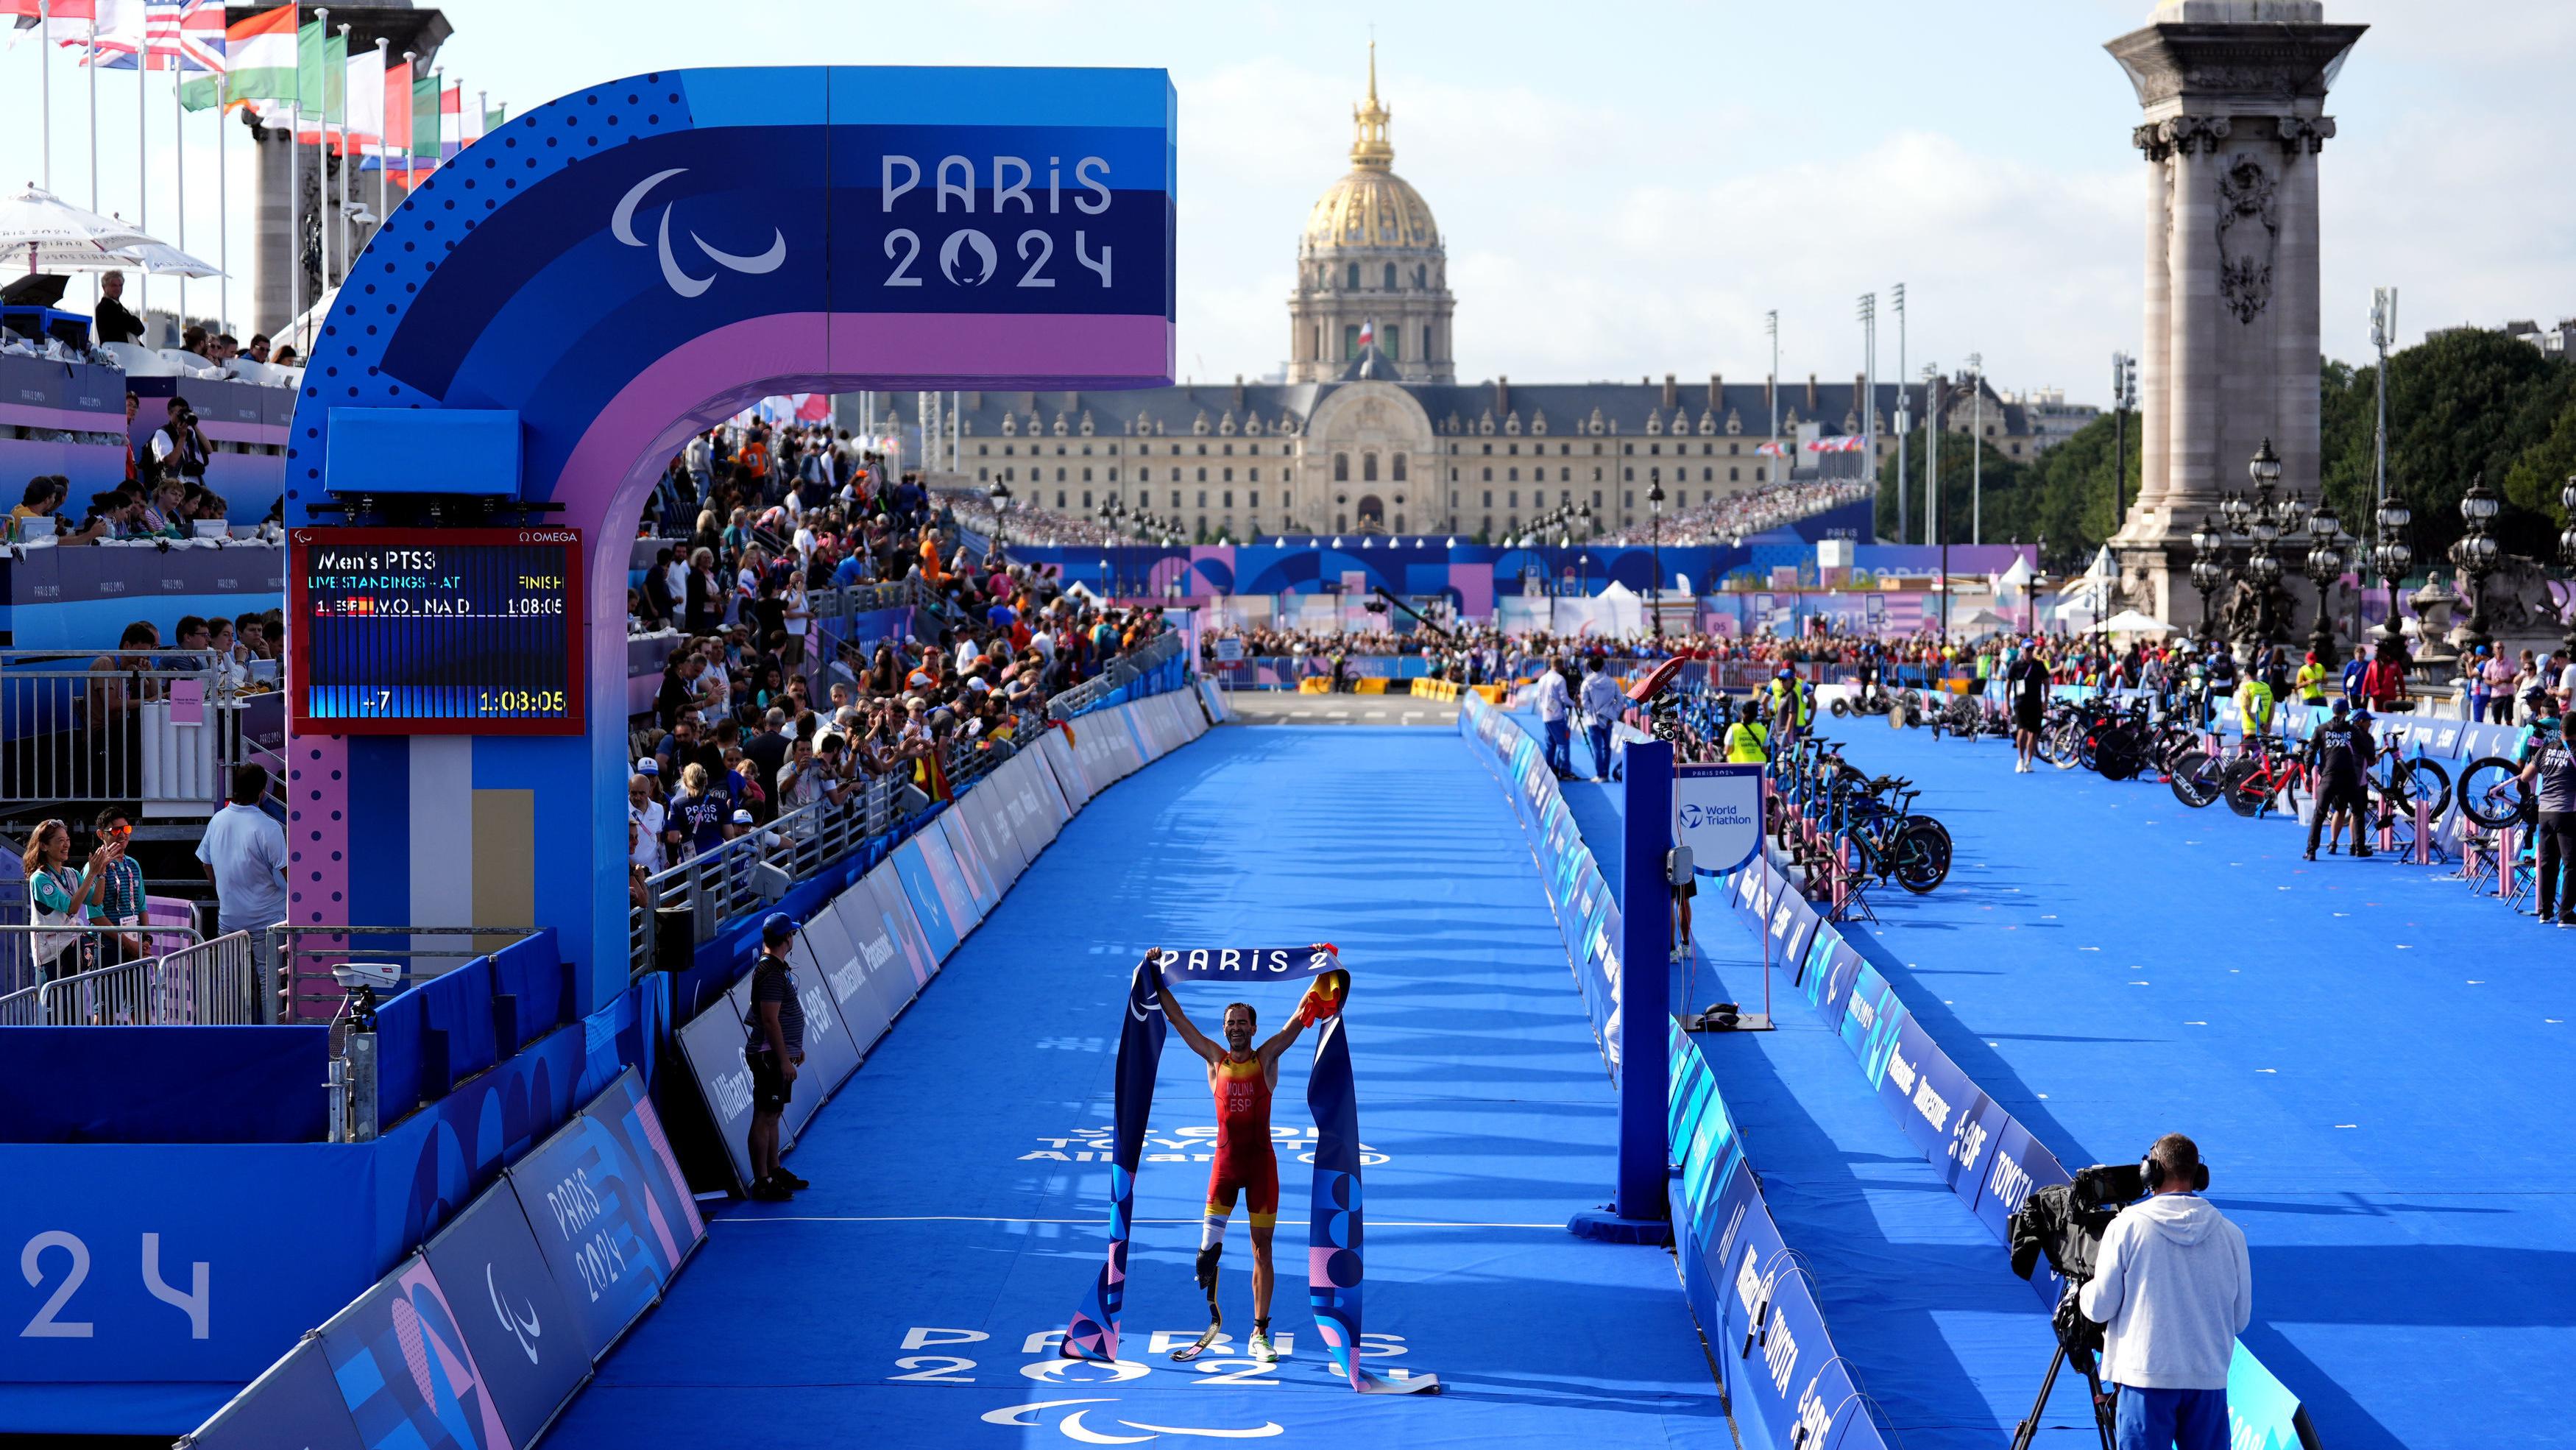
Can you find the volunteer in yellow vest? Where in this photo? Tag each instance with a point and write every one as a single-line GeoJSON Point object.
{"type": "Point", "coordinates": [2254, 705]}
{"type": "Point", "coordinates": [1748, 741]}
{"type": "Point", "coordinates": [2311, 682]}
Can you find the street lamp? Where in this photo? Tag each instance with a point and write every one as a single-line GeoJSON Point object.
{"type": "Point", "coordinates": [2325, 564]}
{"type": "Point", "coordinates": [2477, 553]}
{"type": "Point", "coordinates": [2392, 557]}
{"type": "Point", "coordinates": [1655, 545]}
{"type": "Point", "coordinates": [2567, 554]}
{"type": "Point", "coordinates": [2266, 520]}
{"type": "Point", "coordinates": [1000, 494]}
{"type": "Point", "coordinates": [2206, 572]}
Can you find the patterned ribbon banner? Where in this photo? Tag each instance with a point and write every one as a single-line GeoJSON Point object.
{"type": "Point", "coordinates": [1333, 1272]}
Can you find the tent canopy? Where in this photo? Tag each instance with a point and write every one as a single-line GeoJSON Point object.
{"type": "Point", "coordinates": [2131, 621]}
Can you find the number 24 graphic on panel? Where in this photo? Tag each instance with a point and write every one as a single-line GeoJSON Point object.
{"type": "Point", "coordinates": [196, 1301]}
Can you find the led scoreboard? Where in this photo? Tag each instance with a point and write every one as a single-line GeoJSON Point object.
{"type": "Point", "coordinates": [435, 631]}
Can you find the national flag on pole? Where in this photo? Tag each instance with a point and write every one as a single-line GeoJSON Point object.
{"type": "Point", "coordinates": [111, 31]}
{"type": "Point", "coordinates": [424, 117]}
{"type": "Point", "coordinates": [396, 143]}
{"type": "Point", "coordinates": [259, 57]}
{"type": "Point", "coordinates": [1368, 333]}
{"type": "Point", "coordinates": [451, 122]}
{"type": "Point", "coordinates": [366, 102]}
{"type": "Point", "coordinates": [321, 82]}
{"type": "Point", "coordinates": [470, 121]}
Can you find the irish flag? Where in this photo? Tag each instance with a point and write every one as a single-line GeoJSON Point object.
{"type": "Point", "coordinates": [260, 57]}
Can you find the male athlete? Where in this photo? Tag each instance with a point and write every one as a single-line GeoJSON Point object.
{"type": "Point", "coordinates": [1243, 1078]}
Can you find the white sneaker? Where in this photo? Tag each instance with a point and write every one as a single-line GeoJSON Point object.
{"type": "Point", "coordinates": [1259, 1348]}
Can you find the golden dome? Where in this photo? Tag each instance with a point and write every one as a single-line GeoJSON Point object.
{"type": "Point", "coordinates": [1372, 207]}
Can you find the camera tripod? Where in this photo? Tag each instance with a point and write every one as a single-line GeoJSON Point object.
{"type": "Point", "coordinates": [2024, 1433]}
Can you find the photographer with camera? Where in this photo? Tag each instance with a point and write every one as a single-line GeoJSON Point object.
{"type": "Point", "coordinates": [2172, 1289]}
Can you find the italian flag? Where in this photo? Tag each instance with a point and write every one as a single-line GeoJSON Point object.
{"type": "Point", "coordinates": [261, 57]}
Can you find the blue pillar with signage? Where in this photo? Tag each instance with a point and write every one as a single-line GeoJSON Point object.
{"type": "Point", "coordinates": [1641, 1211]}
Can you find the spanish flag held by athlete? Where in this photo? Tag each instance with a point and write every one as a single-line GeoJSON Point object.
{"type": "Point", "coordinates": [1243, 1078]}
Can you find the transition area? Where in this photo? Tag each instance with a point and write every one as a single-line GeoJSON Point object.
{"type": "Point", "coordinates": [961, 1177]}
{"type": "Point", "coordinates": [2368, 1056]}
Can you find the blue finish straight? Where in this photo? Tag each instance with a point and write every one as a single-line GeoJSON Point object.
{"type": "Point", "coordinates": [961, 1177]}
{"type": "Point", "coordinates": [1645, 995]}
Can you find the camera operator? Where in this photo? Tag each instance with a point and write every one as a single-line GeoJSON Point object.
{"type": "Point", "coordinates": [2172, 1289]}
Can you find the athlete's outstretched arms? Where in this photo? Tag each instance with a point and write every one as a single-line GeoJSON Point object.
{"type": "Point", "coordinates": [1281, 1040]}
{"type": "Point", "coordinates": [1180, 1020]}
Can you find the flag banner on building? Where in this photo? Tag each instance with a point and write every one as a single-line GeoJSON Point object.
{"type": "Point", "coordinates": [1334, 1237]}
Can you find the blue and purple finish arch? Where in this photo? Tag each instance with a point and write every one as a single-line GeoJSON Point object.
{"type": "Point", "coordinates": [636, 260]}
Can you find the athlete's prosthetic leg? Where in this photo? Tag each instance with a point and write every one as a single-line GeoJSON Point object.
{"type": "Point", "coordinates": [1211, 1248]}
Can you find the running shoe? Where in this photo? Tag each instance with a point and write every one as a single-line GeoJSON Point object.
{"type": "Point", "coordinates": [1259, 1348]}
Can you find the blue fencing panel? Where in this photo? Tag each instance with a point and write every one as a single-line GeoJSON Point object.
{"type": "Point", "coordinates": [533, 971]}
{"type": "Point", "coordinates": [517, 1322]}
{"type": "Point", "coordinates": [405, 1370]}
{"type": "Point", "coordinates": [296, 1402]}
{"type": "Point", "coordinates": [171, 1084]}
{"type": "Point", "coordinates": [456, 1017]}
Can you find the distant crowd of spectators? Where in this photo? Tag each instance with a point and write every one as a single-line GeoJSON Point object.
{"type": "Point", "coordinates": [1738, 514]}
{"type": "Point", "coordinates": [762, 712]}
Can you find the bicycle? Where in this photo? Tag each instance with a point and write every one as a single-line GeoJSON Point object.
{"type": "Point", "coordinates": [2493, 795]}
{"type": "Point", "coordinates": [2404, 780]}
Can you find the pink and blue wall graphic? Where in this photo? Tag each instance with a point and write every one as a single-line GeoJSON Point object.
{"type": "Point", "coordinates": [610, 272]}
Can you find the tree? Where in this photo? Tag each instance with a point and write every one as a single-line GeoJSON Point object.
{"type": "Point", "coordinates": [2460, 404]}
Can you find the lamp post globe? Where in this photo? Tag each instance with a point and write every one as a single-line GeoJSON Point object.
{"type": "Point", "coordinates": [2477, 553]}
{"type": "Point", "coordinates": [2327, 554]}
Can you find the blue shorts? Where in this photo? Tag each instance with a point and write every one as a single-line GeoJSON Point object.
{"type": "Point", "coordinates": [2164, 1419]}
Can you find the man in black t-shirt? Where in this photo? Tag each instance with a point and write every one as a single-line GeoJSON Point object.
{"type": "Point", "coordinates": [2026, 685]}
{"type": "Point", "coordinates": [2553, 770]}
{"type": "Point", "coordinates": [775, 1048]}
{"type": "Point", "coordinates": [2340, 752]}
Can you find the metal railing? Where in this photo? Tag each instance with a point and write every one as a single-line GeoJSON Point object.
{"type": "Point", "coordinates": [204, 983]}
{"type": "Point", "coordinates": [79, 726]}
{"type": "Point", "coordinates": [304, 957]}
{"type": "Point", "coordinates": [1121, 672]}
{"type": "Point", "coordinates": [717, 885]}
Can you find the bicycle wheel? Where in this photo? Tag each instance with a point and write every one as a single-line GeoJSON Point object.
{"type": "Point", "coordinates": [2194, 778]}
{"type": "Point", "coordinates": [2246, 785]}
{"type": "Point", "coordinates": [1838, 708]}
{"type": "Point", "coordinates": [2421, 780]}
{"type": "Point", "coordinates": [1897, 714]}
{"type": "Point", "coordinates": [2493, 795]}
{"type": "Point", "coordinates": [2058, 745]}
{"type": "Point", "coordinates": [1921, 856]}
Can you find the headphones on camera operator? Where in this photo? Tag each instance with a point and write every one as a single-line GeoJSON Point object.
{"type": "Point", "coordinates": [2152, 1173]}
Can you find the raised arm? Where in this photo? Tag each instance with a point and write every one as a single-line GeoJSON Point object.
{"type": "Point", "coordinates": [1281, 1040]}
{"type": "Point", "coordinates": [1181, 1020]}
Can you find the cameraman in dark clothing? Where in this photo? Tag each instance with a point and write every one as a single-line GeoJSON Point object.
{"type": "Point", "coordinates": [2341, 751]}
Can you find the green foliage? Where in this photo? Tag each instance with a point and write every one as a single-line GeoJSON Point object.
{"type": "Point", "coordinates": [2063, 496]}
{"type": "Point", "coordinates": [2459, 405]}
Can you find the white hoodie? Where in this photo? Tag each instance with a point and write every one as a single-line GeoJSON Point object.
{"type": "Point", "coordinates": [2173, 1289]}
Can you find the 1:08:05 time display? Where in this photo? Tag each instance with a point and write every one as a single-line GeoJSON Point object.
{"type": "Point", "coordinates": [518, 702]}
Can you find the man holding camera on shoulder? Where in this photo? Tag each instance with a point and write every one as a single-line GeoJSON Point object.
{"type": "Point", "coordinates": [2172, 1289]}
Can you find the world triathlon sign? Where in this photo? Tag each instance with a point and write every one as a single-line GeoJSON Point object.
{"type": "Point", "coordinates": [604, 275]}
{"type": "Point", "coordinates": [1717, 813]}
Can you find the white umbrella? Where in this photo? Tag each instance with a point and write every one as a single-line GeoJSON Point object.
{"type": "Point", "coordinates": [162, 260]}
{"type": "Point", "coordinates": [52, 235]}
{"type": "Point", "coordinates": [2131, 621]}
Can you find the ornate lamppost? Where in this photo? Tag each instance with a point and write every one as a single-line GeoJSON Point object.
{"type": "Point", "coordinates": [2265, 519]}
{"type": "Point", "coordinates": [1000, 494]}
{"type": "Point", "coordinates": [2567, 556]}
{"type": "Point", "coordinates": [1655, 547]}
{"type": "Point", "coordinates": [2327, 555]}
{"type": "Point", "coordinates": [2206, 572]}
{"type": "Point", "coordinates": [2477, 553]}
{"type": "Point", "coordinates": [2392, 556]}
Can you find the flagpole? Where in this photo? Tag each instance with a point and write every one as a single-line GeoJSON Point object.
{"type": "Point", "coordinates": [179, 165]}
{"type": "Point", "coordinates": [90, 63]}
{"type": "Point", "coordinates": [411, 122]}
{"type": "Point", "coordinates": [223, 219]}
{"type": "Point", "coordinates": [385, 123]}
{"type": "Point", "coordinates": [143, 177]}
{"type": "Point", "coordinates": [45, 85]}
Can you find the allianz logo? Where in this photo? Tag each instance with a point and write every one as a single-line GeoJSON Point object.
{"type": "Point", "coordinates": [733, 1089]}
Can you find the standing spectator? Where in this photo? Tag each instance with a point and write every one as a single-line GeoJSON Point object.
{"type": "Point", "coordinates": [114, 321]}
{"type": "Point", "coordinates": [244, 852]}
{"type": "Point", "coordinates": [2383, 685]}
{"type": "Point", "coordinates": [695, 822]}
{"type": "Point", "coordinates": [1553, 707]}
{"type": "Point", "coordinates": [1602, 700]}
{"type": "Point", "coordinates": [119, 897]}
{"type": "Point", "coordinates": [60, 896]}
{"type": "Point", "coordinates": [645, 814]}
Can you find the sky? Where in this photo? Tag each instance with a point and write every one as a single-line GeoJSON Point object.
{"type": "Point", "coordinates": [1626, 189]}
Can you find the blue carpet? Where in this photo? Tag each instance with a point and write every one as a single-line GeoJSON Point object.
{"type": "Point", "coordinates": [2371, 1060]}
{"type": "Point", "coordinates": [1915, 1291]}
{"type": "Point", "coordinates": [958, 1211]}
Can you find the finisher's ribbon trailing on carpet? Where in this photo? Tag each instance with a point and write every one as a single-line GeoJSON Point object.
{"type": "Point", "coordinates": [1333, 1266]}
